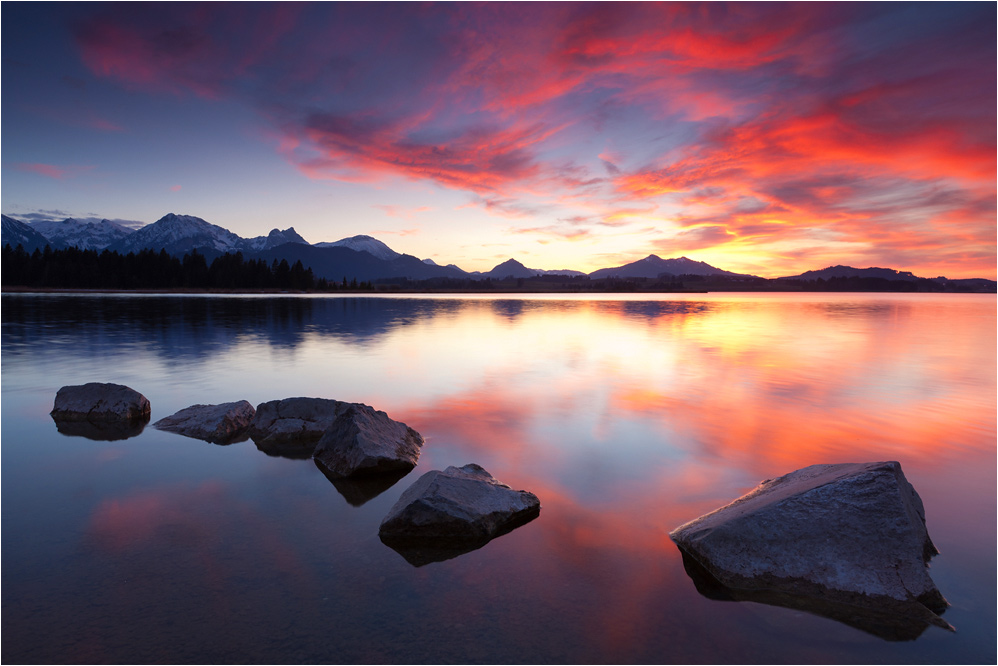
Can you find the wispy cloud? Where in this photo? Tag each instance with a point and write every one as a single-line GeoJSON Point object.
{"type": "Point", "coordinates": [58, 172]}
{"type": "Point", "coordinates": [405, 213]}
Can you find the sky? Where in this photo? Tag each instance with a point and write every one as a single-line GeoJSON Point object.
{"type": "Point", "coordinates": [762, 138]}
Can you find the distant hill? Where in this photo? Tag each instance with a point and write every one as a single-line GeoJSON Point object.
{"type": "Point", "coordinates": [654, 266]}
{"type": "Point", "coordinates": [511, 268]}
{"type": "Point", "coordinates": [850, 272]}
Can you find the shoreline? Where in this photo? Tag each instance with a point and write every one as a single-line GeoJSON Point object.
{"type": "Point", "coordinates": [439, 292]}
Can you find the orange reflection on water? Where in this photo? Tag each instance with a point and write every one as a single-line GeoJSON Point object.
{"type": "Point", "coordinates": [629, 419]}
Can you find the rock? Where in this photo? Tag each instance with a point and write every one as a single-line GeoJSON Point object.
{"type": "Point", "coordinates": [220, 424]}
{"type": "Point", "coordinates": [99, 402]}
{"type": "Point", "coordinates": [446, 513]}
{"type": "Point", "coordinates": [847, 535]}
{"type": "Point", "coordinates": [293, 426]}
{"type": "Point", "coordinates": [363, 441]}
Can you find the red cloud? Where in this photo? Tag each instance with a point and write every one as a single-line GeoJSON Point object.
{"type": "Point", "coordinates": [476, 159]}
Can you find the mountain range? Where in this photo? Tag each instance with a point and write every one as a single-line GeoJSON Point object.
{"type": "Point", "coordinates": [357, 257]}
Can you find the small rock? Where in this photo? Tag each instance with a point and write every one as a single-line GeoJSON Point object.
{"type": "Point", "coordinates": [221, 423]}
{"type": "Point", "coordinates": [851, 534]}
{"type": "Point", "coordinates": [363, 441]}
{"type": "Point", "coordinates": [454, 511]}
{"type": "Point", "coordinates": [99, 402]}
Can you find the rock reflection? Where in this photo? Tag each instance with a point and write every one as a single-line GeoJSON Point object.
{"type": "Point", "coordinates": [102, 431]}
{"type": "Point", "coordinates": [295, 450]}
{"type": "Point", "coordinates": [422, 551]}
{"type": "Point", "coordinates": [358, 490]}
{"type": "Point", "coordinates": [886, 619]}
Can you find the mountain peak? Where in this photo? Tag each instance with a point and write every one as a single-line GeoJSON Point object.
{"type": "Point", "coordinates": [654, 266]}
{"type": "Point", "coordinates": [363, 243]}
{"type": "Point", "coordinates": [511, 263]}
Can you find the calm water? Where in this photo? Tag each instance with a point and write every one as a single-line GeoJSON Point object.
{"type": "Point", "coordinates": [626, 417]}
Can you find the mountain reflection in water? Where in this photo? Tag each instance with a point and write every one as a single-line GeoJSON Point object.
{"type": "Point", "coordinates": [625, 416]}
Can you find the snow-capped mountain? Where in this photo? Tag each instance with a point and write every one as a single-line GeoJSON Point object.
{"type": "Point", "coordinates": [275, 238]}
{"type": "Point", "coordinates": [653, 266]}
{"type": "Point", "coordinates": [84, 235]}
{"type": "Point", "coordinates": [177, 234]}
{"type": "Point", "coordinates": [14, 232]}
{"type": "Point", "coordinates": [365, 244]}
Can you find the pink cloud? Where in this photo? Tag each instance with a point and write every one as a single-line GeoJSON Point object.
{"type": "Point", "coordinates": [52, 170]}
{"type": "Point", "coordinates": [402, 212]}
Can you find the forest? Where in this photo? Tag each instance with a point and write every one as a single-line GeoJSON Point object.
{"type": "Point", "coordinates": [72, 268]}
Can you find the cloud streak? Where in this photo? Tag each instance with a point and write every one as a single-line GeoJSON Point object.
{"type": "Point", "coordinates": [52, 170]}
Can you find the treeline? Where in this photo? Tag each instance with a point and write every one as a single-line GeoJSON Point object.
{"type": "Point", "coordinates": [878, 284]}
{"type": "Point", "coordinates": [73, 268]}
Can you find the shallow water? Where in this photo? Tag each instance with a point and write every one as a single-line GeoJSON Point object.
{"type": "Point", "coordinates": [626, 416]}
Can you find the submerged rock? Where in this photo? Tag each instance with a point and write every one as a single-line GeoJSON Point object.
{"type": "Point", "coordinates": [100, 402]}
{"type": "Point", "coordinates": [846, 535]}
{"type": "Point", "coordinates": [293, 426]}
{"type": "Point", "coordinates": [363, 441]}
{"type": "Point", "coordinates": [220, 424]}
{"type": "Point", "coordinates": [450, 512]}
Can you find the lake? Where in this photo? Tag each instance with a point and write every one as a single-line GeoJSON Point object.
{"type": "Point", "coordinates": [626, 415]}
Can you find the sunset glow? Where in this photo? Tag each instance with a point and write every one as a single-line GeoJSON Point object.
{"type": "Point", "coordinates": [761, 138]}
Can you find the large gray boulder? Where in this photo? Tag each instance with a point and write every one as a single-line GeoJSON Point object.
{"type": "Point", "coordinates": [293, 426]}
{"type": "Point", "coordinates": [446, 513]}
{"type": "Point", "coordinates": [364, 441]}
{"type": "Point", "coordinates": [220, 424]}
{"type": "Point", "coordinates": [100, 402]}
{"type": "Point", "coordinates": [851, 535]}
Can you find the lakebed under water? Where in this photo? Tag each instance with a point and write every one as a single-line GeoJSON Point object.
{"type": "Point", "coordinates": [627, 416]}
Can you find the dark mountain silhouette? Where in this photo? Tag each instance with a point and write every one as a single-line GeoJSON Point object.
{"type": "Point", "coordinates": [849, 272]}
{"type": "Point", "coordinates": [336, 263]}
{"type": "Point", "coordinates": [654, 266]}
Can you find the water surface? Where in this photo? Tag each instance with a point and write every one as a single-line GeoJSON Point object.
{"type": "Point", "coordinates": [626, 416]}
